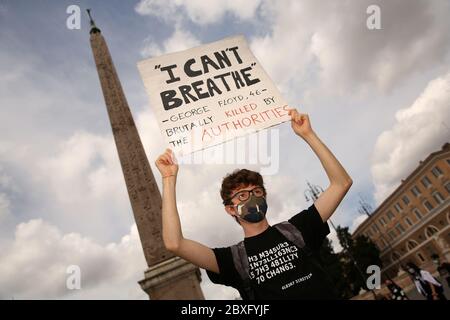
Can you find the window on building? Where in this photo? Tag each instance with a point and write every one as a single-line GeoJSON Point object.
{"type": "Point", "coordinates": [395, 256]}
{"type": "Point", "coordinates": [390, 215]}
{"type": "Point", "coordinates": [426, 182]}
{"type": "Point", "coordinates": [369, 234]}
{"type": "Point", "coordinates": [436, 171]}
{"type": "Point", "coordinates": [408, 221]}
{"type": "Point", "coordinates": [431, 231]}
{"type": "Point", "coordinates": [383, 242]}
{"type": "Point", "coordinates": [375, 226]}
{"type": "Point", "coordinates": [417, 213]}
{"type": "Point", "coordinates": [405, 199]}
{"type": "Point", "coordinates": [438, 197]}
{"type": "Point", "coordinates": [392, 234]}
{"type": "Point", "coordinates": [398, 207]}
{"type": "Point", "coordinates": [399, 228]}
{"type": "Point", "coordinates": [421, 258]}
{"type": "Point", "coordinates": [428, 205]}
{"type": "Point", "coordinates": [411, 244]}
{"type": "Point", "coordinates": [447, 186]}
{"type": "Point", "coordinates": [383, 220]}
{"type": "Point", "coordinates": [415, 191]}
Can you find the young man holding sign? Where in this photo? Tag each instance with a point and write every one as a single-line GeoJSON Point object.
{"type": "Point", "coordinates": [273, 262]}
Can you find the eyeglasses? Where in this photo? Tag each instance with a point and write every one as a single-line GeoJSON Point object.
{"type": "Point", "coordinates": [244, 195]}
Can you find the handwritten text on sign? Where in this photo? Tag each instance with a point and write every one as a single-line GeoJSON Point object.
{"type": "Point", "coordinates": [210, 94]}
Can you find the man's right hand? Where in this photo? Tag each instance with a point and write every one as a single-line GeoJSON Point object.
{"type": "Point", "coordinates": [167, 164]}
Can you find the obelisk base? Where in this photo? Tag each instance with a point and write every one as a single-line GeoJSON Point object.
{"type": "Point", "coordinates": [173, 279]}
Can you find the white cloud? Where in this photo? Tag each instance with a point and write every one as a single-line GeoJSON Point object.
{"type": "Point", "coordinates": [324, 46]}
{"type": "Point", "coordinates": [198, 11]}
{"type": "Point", "coordinates": [6, 187]}
{"type": "Point", "coordinates": [41, 253]}
{"type": "Point", "coordinates": [5, 180]}
{"type": "Point", "coordinates": [34, 265]}
{"type": "Point", "coordinates": [82, 166]}
{"type": "Point", "coordinates": [83, 179]}
{"type": "Point", "coordinates": [4, 206]}
{"type": "Point", "coordinates": [334, 240]}
{"type": "Point", "coordinates": [357, 221]}
{"type": "Point", "coordinates": [419, 130]}
{"type": "Point", "coordinates": [181, 39]}
{"type": "Point", "coordinates": [160, 8]}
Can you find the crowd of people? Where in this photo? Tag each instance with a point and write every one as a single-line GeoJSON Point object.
{"type": "Point", "coordinates": [428, 286]}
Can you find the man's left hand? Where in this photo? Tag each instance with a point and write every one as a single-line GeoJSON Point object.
{"type": "Point", "coordinates": [300, 123]}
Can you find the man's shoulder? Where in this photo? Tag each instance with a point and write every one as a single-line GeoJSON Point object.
{"type": "Point", "coordinates": [309, 211]}
{"type": "Point", "coordinates": [222, 253]}
{"type": "Point", "coordinates": [228, 274]}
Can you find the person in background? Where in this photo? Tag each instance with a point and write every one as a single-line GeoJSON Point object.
{"type": "Point", "coordinates": [425, 283]}
{"type": "Point", "coordinates": [443, 268]}
{"type": "Point", "coordinates": [397, 292]}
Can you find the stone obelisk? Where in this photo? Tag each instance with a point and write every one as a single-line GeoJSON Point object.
{"type": "Point", "coordinates": [167, 276]}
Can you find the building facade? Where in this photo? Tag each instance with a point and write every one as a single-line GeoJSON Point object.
{"type": "Point", "coordinates": [413, 222]}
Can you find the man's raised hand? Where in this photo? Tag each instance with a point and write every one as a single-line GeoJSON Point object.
{"type": "Point", "coordinates": [300, 123]}
{"type": "Point", "coordinates": [167, 164]}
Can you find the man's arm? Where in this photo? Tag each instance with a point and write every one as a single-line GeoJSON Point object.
{"type": "Point", "coordinates": [340, 181]}
{"type": "Point", "coordinates": [192, 251]}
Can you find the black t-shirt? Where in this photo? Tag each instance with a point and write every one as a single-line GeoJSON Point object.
{"type": "Point", "coordinates": [278, 269]}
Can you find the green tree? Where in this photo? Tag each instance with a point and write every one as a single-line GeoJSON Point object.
{"type": "Point", "coordinates": [345, 238]}
{"type": "Point", "coordinates": [366, 252]}
{"type": "Point", "coordinates": [356, 256]}
{"type": "Point", "coordinates": [333, 267]}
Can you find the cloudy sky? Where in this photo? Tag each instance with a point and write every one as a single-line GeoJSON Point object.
{"type": "Point", "coordinates": [379, 99]}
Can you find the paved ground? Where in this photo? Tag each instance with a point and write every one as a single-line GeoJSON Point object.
{"type": "Point", "coordinates": [414, 295]}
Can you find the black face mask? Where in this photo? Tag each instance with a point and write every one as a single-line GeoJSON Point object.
{"type": "Point", "coordinates": [253, 210]}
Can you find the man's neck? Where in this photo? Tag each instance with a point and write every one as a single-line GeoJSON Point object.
{"type": "Point", "coordinates": [253, 229]}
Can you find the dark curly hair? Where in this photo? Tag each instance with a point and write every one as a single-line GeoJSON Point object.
{"type": "Point", "coordinates": [411, 265]}
{"type": "Point", "coordinates": [239, 178]}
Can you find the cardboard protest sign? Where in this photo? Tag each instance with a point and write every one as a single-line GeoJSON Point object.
{"type": "Point", "coordinates": [209, 94]}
